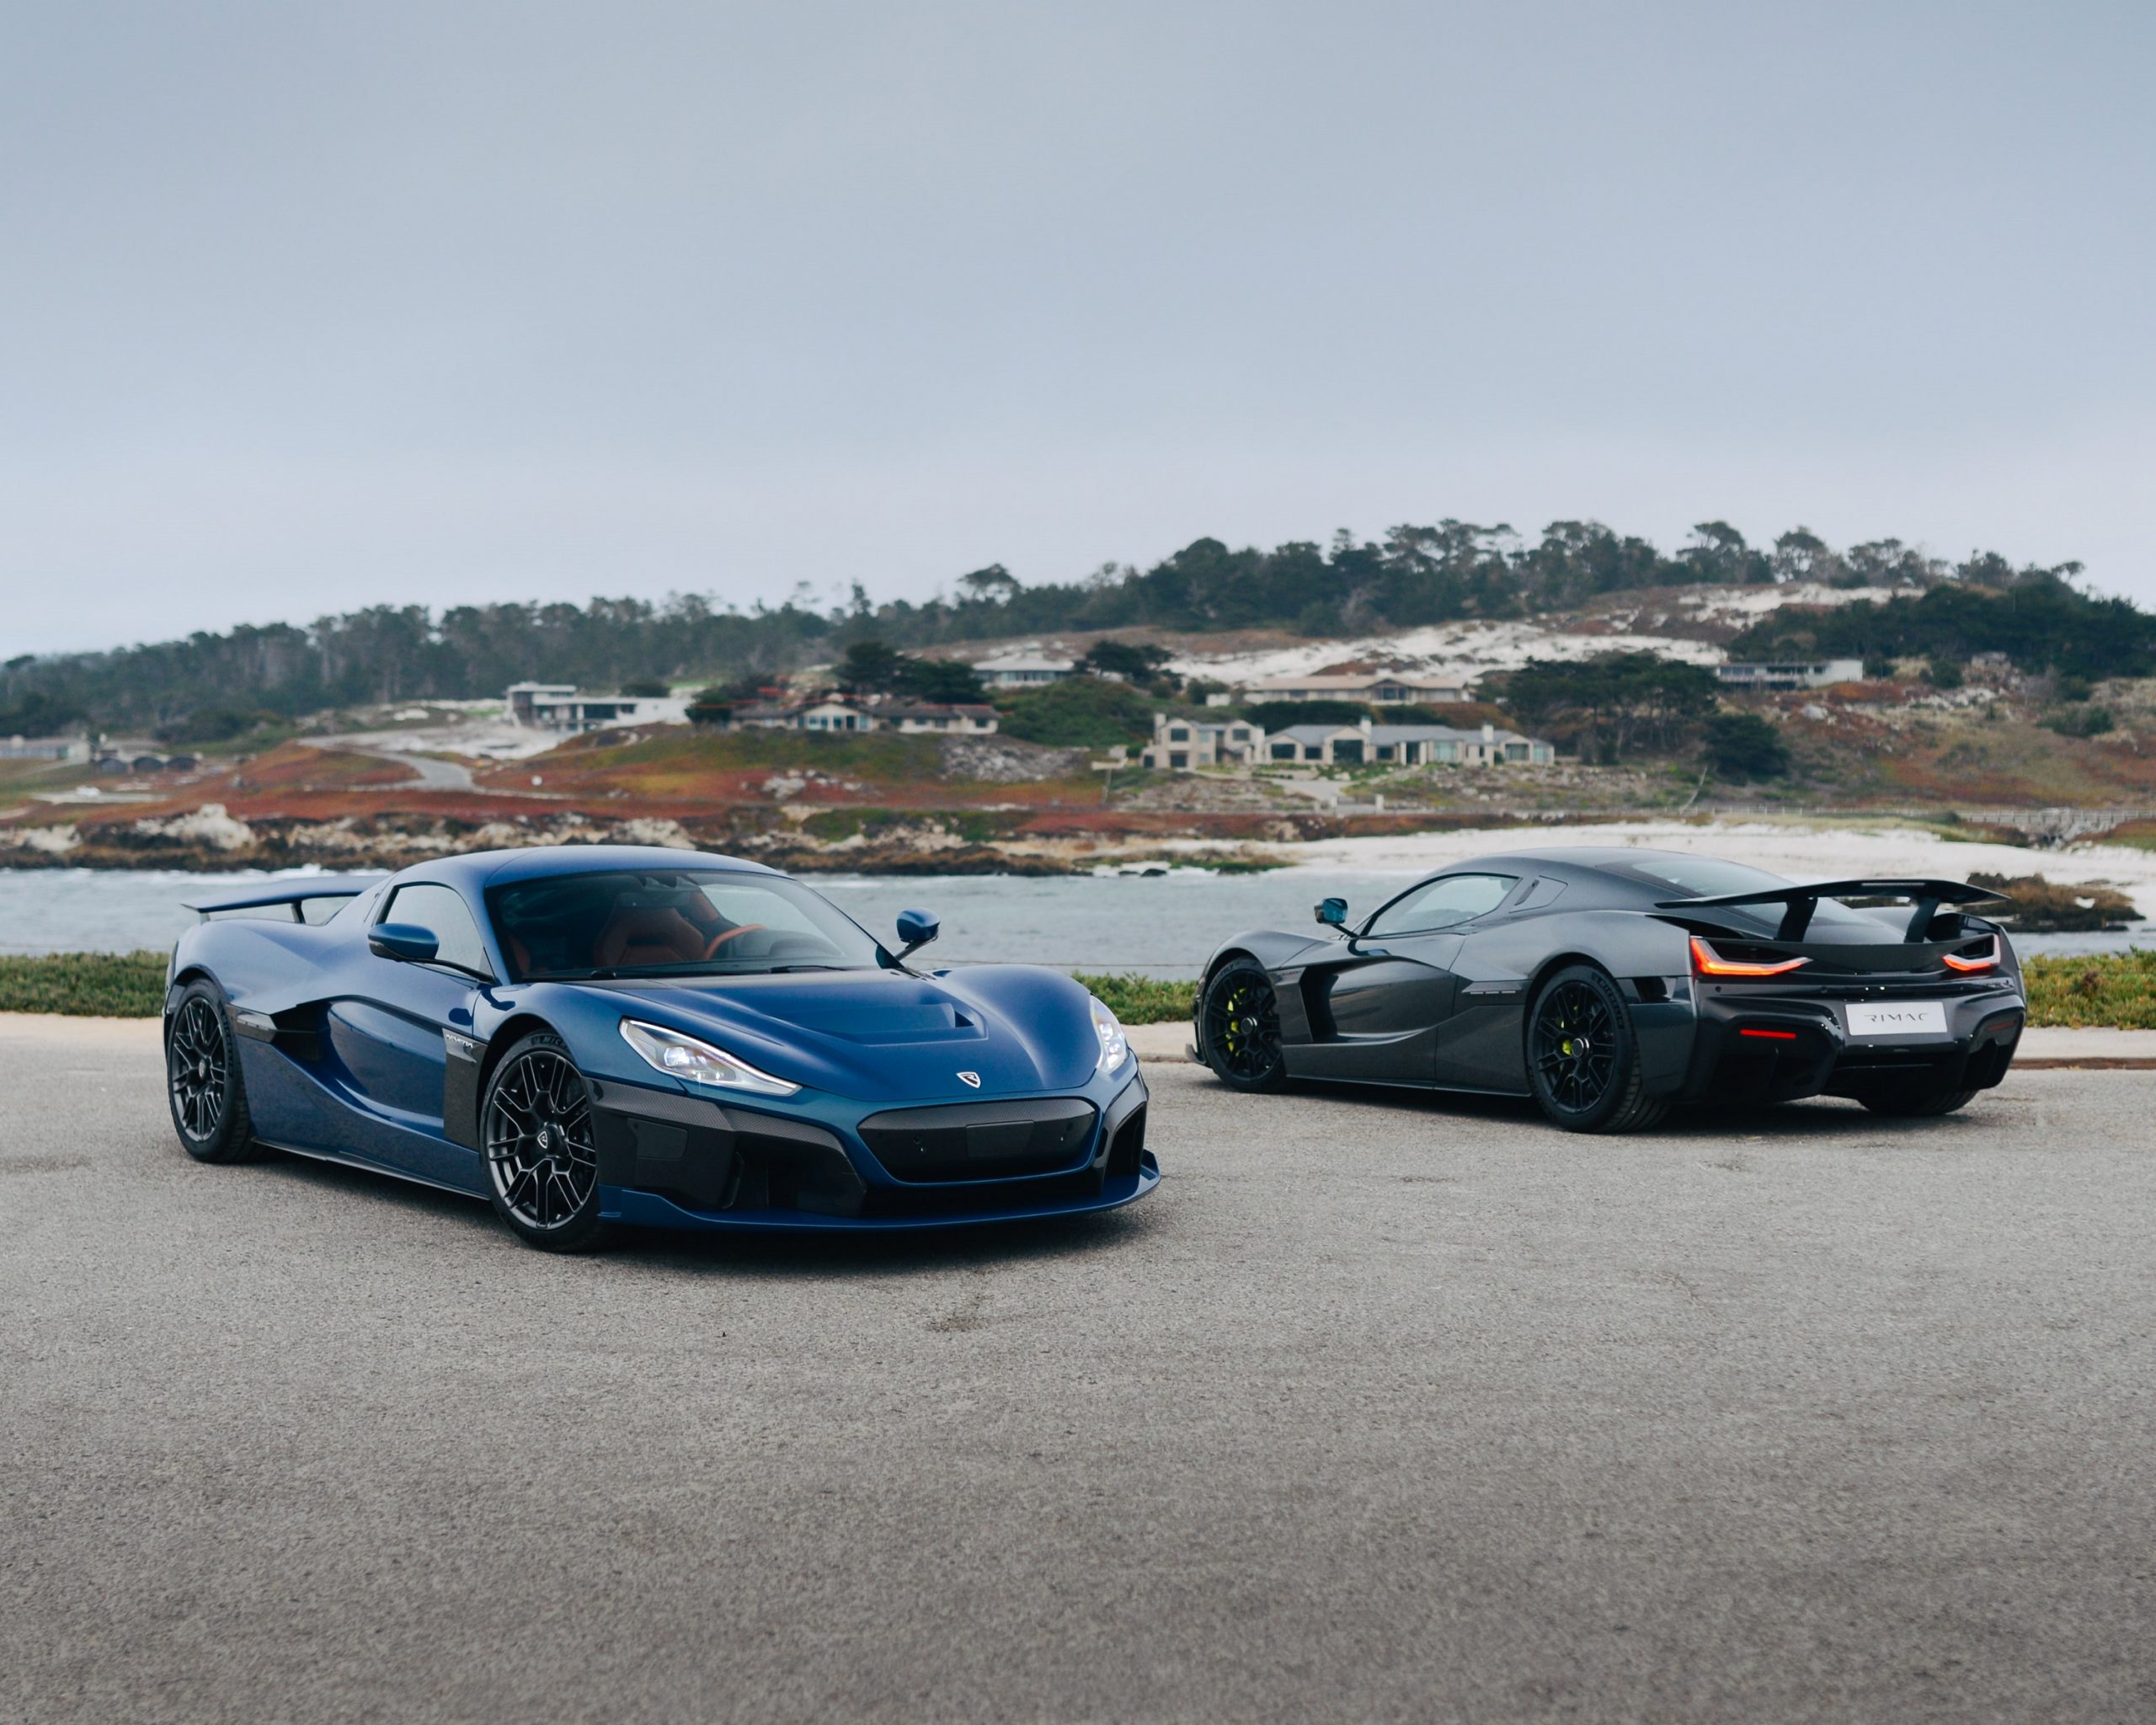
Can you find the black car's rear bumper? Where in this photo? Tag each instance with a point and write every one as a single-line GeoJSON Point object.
{"type": "Point", "coordinates": [1761, 1044]}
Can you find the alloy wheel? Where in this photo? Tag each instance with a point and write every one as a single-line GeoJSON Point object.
{"type": "Point", "coordinates": [1242, 1023]}
{"type": "Point", "coordinates": [198, 1063]}
{"type": "Point", "coordinates": [1575, 1045]}
{"type": "Point", "coordinates": [540, 1153]}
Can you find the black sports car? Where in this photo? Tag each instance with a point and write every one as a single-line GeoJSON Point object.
{"type": "Point", "coordinates": [1610, 984]}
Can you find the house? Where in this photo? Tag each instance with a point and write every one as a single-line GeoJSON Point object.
{"type": "Point", "coordinates": [557, 707]}
{"type": "Point", "coordinates": [831, 713]}
{"type": "Point", "coordinates": [1369, 744]}
{"type": "Point", "coordinates": [1378, 688]}
{"type": "Point", "coordinates": [1024, 671]}
{"type": "Point", "coordinates": [1791, 674]}
{"type": "Point", "coordinates": [968, 718]}
{"type": "Point", "coordinates": [73, 749]}
{"type": "Point", "coordinates": [1182, 743]}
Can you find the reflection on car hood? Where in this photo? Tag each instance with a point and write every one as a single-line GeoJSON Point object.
{"type": "Point", "coordinates": [885, 1035]}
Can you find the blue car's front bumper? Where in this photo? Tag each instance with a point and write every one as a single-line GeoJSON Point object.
{"type": "Point", "coordinates": [673, 1161]}
{"type": "Point", "coordinates": [649, 1210]}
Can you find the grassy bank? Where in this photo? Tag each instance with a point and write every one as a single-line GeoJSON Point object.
{"type": "Point", "coordinates": [1139, 1000]}
{"type": "Point", "coordinates": [2115, 990]}
{"type": "Point", "coordinates": [85, 984]}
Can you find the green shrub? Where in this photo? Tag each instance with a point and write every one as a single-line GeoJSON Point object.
{"type": "Point", "coordinates": [1745, 746]}
{"type": "Point", "coordinates": [85, 984]}
{"type": "Point", "coordinates": [1080, 713]}
{"type": "Point", "coordinates": [2109, 991]}
{"type": "Point", "coordinates": [1141, 1000]}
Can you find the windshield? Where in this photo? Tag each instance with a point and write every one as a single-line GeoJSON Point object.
{"type": "Point", "coordinates": [671, 922]}
{"type": "Point", "coordinates": [1708, 877]}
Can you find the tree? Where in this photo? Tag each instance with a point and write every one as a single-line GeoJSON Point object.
{"type": "Point", "coordinates": [1719, 553]}
{"type": "Point", "coordinates": [947, 680]}
{"type": "Point", "coordinates": [1133, 661]}
{"type": "Point", "coordinates": [646, 688]}
{"type": "Point", "coordinates": [1801, 555]}
{"type": "Point", "coordinates": [993, 586]}
{"type": "Point", "coordinates": [870, 667]}
{"type": "Point", "coordinates": [1279, 715]}
{"type": "Point", "coordinates": [1745, 746]}
{"type": "Point", "coordinates": [1610, 703]}
{"type": "Point", "coordinates": [1080, 713]}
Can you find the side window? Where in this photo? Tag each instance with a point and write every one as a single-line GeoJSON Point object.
{"type": "Point", "coordinates": [1441, 903]}
{"type": "Point", "coordinates": [442, 914]}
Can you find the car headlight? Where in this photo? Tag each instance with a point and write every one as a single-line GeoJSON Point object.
{"type": "Point", "coordinates": [699, 1063]}
{"type": "Point", "coordinates": [1115, 1046]}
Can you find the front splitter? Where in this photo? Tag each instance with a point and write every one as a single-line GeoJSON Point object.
{"type": "Point", "coordinates": [647, 1210]}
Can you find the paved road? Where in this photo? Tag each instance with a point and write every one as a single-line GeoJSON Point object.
{"type": "Point", "coordinates": [1380, 1409]}
{"type": "Point", "coordinates": [431, 772]}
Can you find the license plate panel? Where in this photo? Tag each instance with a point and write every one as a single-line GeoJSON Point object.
{"type": "Point", "coordinates": [1904, 1019]}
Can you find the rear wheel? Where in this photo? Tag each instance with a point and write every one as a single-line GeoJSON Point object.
{"type": "Point", "coordinates": [202, 1080]}
{"type": "Point", "coordinates": [1239, 1026]}
{"type": "Point", "coordinates": [1910, 1101]}
{"type": "Point", "coordinates": [1583, 1056]}
{"type": "Point", "coordinates": [542, 1163]}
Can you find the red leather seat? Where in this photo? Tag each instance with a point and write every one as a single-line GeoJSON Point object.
{"type": "Point", "coordinates": [648, 936]}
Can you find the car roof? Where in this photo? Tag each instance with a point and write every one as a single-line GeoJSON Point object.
{"type": "Point", "coordinates": [1576, 859]}
{"type": "Point", "coordinates": [476, 870]}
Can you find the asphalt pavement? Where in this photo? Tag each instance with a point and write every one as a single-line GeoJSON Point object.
{"type": "Point", "coordinates": [1382, 1407]}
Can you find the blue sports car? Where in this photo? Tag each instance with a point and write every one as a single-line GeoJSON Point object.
{"type": "Point", "coordinates": [602, 1034]}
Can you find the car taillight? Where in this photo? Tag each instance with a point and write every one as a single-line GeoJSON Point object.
{"type": "Point", "coordinates": [1985, 960]}
{"type": "Point", "coordinates": [1707, 962]}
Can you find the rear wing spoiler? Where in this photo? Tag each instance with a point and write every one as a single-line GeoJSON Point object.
{"type": "Point", "coordinates": [294, 889]}
{"type": "Point", "coordinates": [1799, 902]}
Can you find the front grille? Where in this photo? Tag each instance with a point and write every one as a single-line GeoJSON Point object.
{"type": "Point", "coordinates": [984, 1140]}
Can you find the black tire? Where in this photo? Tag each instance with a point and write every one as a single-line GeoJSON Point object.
{"type": "Point", "coordinates": [1239, 1027]}
{"type": "Point", "coordinates": [1908, 1103]}
{"type": "Point", "coordinates": [203, 1085]}
{"type": "Point", "coordinates": [1583, 1055]}
{"type": "Point", "coordinates": [535, 1136]}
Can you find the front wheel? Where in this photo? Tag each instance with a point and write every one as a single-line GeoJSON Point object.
{"type": "Point", "coordinates": [1239, 1027]}
{"type": "Point", "coordinates": [203, 1084]}
{"type": "Point", "coordinates": [542, 1163]}
{"type": "Point", "coordinates": [1583, 1055]}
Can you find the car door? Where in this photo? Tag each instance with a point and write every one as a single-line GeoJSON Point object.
{"type": "Point", "coordinates": [1480, 1046]}
{"type": "Point", "coordinates": [1385, 1004]}
{"type": "Point", "coordinates": [386, 1031]}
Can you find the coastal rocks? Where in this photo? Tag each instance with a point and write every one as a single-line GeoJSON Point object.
{"type": "Point", "coordinates": [1005, 760]}
{"type": "Point", "coordinates": [2041, 908]}
{"type": "Point", "coordinates": [208, 827]}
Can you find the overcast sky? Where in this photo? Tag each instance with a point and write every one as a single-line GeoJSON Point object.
{"type": "Point", "coordinates": [307, 307]}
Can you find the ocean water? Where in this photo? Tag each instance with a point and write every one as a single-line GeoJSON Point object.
{"type": "Point", "coordinates": [1158, 926]}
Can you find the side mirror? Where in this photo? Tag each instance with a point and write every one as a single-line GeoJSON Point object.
{"type": "Point", "coordinates": [406, 942]}
{"type": "Point", "coordinates": [917, 928]}
{"type": "Point", "coordinates": [1333, 912]}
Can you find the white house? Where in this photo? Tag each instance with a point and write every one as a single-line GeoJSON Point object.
{"type": "Point", "coordinates": [1381, 688]}
{"type": "Point", "coordinates": [557, 707]}
{"type": "Point", "coordinates": [75, 749]}
{"type": "Point", "coordinates": [1793, 674]}
{"type": "Point", "coordinates": [1181, 744]}
{"type": "Point", "coordinates": [1405, 745]}
{"type": "Point", "coordinates": [833, 713]}
{"type": "Point", "coordinates": [953, 719]}
{"type": "Point", "coordinates": [1023, 670]}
